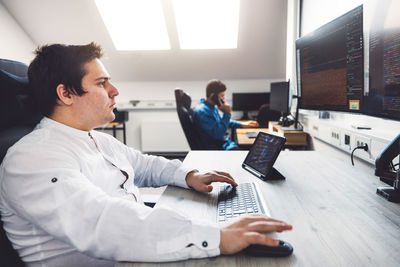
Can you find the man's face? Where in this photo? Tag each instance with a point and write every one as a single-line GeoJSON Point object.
{"type": "Point", "coordinates": [95, 108]}
{"type": "Point", "coordinates": [222, 95]}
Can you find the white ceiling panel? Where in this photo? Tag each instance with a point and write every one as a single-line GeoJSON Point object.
{"type": "Point", "coordinates": [260, 53]}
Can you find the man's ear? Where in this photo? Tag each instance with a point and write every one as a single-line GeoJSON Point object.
{"type": "Point", "coordinates": [65, 97]}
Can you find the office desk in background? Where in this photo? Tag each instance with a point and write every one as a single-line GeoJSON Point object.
{"type": "Point", "coordinates": [294, 139]}
{"type": "Point", "coordinates": [116, 126]}
{"type": "Point", "coordinates": [242, 138]}
{"type": "Point", "coordinates": [338, 219]}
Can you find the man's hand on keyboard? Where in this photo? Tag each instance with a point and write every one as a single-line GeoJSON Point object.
{"type": "Point", "coordinates": [238, 233]}
{"type": "Point", "coordinates": [202, 181]}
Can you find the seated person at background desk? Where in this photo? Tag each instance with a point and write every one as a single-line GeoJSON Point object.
{"type": "Point", "coordinates": [69, 195]}
{"type": "Point", "coordinates": [210, 123]}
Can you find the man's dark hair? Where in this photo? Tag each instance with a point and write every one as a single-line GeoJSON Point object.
{"type": "Point", "coordinates": [215, 86]}
{"type": "Point", "coordinates": [59, 64]}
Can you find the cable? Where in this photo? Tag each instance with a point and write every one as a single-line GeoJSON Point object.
{"type": "Point", "coordinates": [394, 166]}
{"type": "Point", "coordinates": [294, 119]}
{"type": "Point", "coordinates": [365, 147]}
{"type": "Point", "coordinates": [391, 165]}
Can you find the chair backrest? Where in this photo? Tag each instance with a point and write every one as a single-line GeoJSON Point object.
{"type": "Point", "coordinates": [265, 115]}
{"type": "Point", "coordinates": [18, 118]}
{"type": "Point", "coordinates": [185, 114]}
{"type": "Point", "coordinates": [120, 116]}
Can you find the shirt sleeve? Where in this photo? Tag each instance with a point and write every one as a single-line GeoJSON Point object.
{"type": "Point", "coordinates": [210, 125]}
{"type": "Point", "coordinates": [234, 124]}
{"type": "Point", "coordinates": [156, 171]}
{"type": "Point", "coordinates": [56, 197]}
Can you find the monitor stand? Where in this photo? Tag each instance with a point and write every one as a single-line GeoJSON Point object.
{"type": "Point", "coordinates": [296, 117]}
{"type": "Point", "coordinates": [274, 174]}
{"type": "Point", "coordinates": [291, 128]}
{"type": "Point", "coordinates": [285, 121]}
{"type": "Point", "coordinates": [245, 116]}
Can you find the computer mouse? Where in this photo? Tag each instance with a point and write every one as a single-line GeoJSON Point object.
{"type": "Point", "coordinates": [282, 250]}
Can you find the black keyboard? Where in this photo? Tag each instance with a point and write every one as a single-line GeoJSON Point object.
{"type": "Point", "coordinates": [245, 198]}
{"type": "Point", "coordinates": [251, 135]}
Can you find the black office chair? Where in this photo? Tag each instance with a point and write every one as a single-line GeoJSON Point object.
{"type": "Point", "coordinates": [185, 114]}
{"type": "Point", "coordinates": [265, 115]}
{"type": "Point", "coordinates": [17, 118]}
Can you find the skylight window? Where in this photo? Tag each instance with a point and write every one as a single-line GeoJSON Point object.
{"type": "Point", "coordinates": [135, 24]}
{"type": "Point", "coordinates": [207, 24]}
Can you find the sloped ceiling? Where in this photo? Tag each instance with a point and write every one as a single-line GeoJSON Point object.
{"type": "Point", "coordinates": [260, 54]}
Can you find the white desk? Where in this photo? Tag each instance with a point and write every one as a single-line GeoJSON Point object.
{"type": "Point", "coordinates": [337, 218]}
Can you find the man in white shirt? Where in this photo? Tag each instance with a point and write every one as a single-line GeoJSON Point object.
{"type": "Point", "coordinates": [69, 195]}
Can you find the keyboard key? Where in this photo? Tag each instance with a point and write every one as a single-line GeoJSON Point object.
{"type": "Point", "coordinates": [233, 202]}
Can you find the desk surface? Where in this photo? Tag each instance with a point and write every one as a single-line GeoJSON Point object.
{"type": "Point", "coordinates": [338, 219]}
{"type": "Point", "coordinates": [243, 139]}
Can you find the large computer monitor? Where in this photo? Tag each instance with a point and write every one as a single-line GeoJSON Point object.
{"type": "Point", "coordinates": [330, 65]}
{"type": "Point", "coordinates": [279, 100]}
{"type": "Point", "coordinates": [383, 99]}
{"type": "Point", "coordinates": [248, 102]}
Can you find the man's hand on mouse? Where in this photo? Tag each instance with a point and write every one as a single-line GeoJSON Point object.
{"type": "Point", "coordinates": [202, 181]}
{"type": "Point", "coordinates": [239, 233]}
{"type": "Point", "coordinates": [248, 124]}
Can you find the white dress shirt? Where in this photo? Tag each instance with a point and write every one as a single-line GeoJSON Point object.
{"type": "Point", "coordinates": [64, 190]}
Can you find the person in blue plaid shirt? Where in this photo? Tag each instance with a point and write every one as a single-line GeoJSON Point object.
{"type": "Point", "coordinates": [212, 126]}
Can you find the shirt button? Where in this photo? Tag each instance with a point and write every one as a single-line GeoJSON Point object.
{"type": "Point", "coordinates": [205, 244]}
{"type": "Point", "coordinates": [54, 180]}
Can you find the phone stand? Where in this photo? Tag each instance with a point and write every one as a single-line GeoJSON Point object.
{"type": "Point", "coordinates": [390, 193]}
{"type": "Point", "coordinates": [274, 174]}
{"type": "Point", "coordinates": [285, 121]}
{"type": "Point", "coordinates": [245, 116]}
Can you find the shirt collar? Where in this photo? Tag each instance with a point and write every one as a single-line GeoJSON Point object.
{"type": "Point", "coordinates": [49, 123]}
{"type": "Point", "coordinates": [208, 104]}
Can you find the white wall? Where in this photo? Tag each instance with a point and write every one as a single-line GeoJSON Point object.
{"type": "Point", "coordinates": [319, 12]}
{"type": "Point", "coordinates": [15, 44]}
{"type": "Point", "coordinates": [165, 91]}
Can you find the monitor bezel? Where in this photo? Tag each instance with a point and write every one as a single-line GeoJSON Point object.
{"type": "Point", "coordinates": [236, 94]}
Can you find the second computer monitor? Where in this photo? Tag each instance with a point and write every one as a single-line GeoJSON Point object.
{"type": "Point", "coordinates": [248, 102]}
{"type": "Point", "coordinates": [330, 65]}
{"type": "Point", "coordinates": [279, 98]}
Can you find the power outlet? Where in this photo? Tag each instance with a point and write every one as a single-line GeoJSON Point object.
{"type": "Point", "coordinates": [347, 139]}
{"type": "Point", "coordinates": [361, 141]}
{"type": "Point", "coordinates": [335, 136]}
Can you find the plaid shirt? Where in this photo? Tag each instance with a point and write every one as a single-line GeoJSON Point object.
{"type": "Point", "coordinates": [213, 127]}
